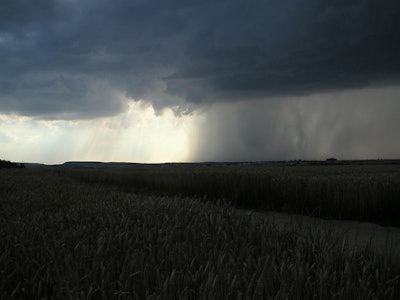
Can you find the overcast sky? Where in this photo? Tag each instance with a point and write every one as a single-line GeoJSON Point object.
{"type": "Point", "coordinates": [174, 80]}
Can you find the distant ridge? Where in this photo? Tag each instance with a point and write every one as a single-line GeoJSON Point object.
{"type": "Point", "coordinates": [82, 164]}
{"type": "Point", "coordinates": [98, 164]}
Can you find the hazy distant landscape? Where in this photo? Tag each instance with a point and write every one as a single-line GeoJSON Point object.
{"type": "Point", "coordinates": [92, 230]}
{"type": "Point", "coordinates": [329, 161]}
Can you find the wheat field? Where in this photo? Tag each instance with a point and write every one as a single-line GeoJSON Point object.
{"type": "Point", "coordinates": [81, 235]}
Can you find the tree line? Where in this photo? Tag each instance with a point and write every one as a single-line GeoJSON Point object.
{"type": "Point", "coordinates": [9, 164]}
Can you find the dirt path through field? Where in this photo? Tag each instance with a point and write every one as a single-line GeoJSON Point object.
{"type": "Point", "coordinates": [383, 239]}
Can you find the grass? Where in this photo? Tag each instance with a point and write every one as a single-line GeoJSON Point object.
{"type": "Point", "coordinates": [62, 238]}
{"type": "Point", "coordinates": [356, 192]}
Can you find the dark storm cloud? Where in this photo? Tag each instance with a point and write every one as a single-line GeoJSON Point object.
{"type": "Point", "coordinates": [295, 47]}
{"type": "Point", "coordinates": [78, 59]}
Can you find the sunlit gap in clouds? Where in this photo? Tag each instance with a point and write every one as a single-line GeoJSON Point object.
{"type": "Point", "coordinates": [135, 135]}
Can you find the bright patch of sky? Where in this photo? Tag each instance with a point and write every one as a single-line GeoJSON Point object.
{"type": "Point", "coordinates": [136, 135]}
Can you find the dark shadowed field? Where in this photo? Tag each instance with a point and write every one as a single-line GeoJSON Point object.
{"type": "Point", "coordinates": [352, 192]}
{"type": "Point", "coordinates": [175, 232]}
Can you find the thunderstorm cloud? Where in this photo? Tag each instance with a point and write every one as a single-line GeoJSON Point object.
{"type": "Point", "coordinates": [80, 58]}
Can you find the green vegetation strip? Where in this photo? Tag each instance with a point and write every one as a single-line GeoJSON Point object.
{"type": "Point", "coordinates": [61, 239]}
